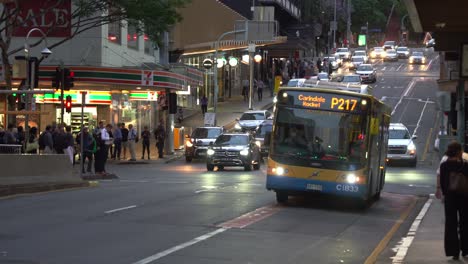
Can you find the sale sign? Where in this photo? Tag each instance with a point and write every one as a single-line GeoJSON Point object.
{"type": "Point", "coordinates": [52, 17]}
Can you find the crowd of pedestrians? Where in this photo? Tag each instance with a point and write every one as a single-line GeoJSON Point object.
{"type": "Point", "coordinates": [104, 142]}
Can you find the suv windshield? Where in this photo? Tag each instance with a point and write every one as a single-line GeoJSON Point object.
{"type": "Point", "coordinates": [359, 53]}
{"type": "Point", "coordinates": [416, 53]}
{"type": "Point", "coordinates": [252, 116]}
{"type": "Point", "coordinates": [402, 49]}
{"type": "Point", "coordinates": [399, 134]}
{"type": "Point", "coordinates": [342, 50]}
{"type": "Point", "coordinates": [232, 140]}
{"type": "Point", "coordinates": [305, 137]}
{"type": "Point", "coordinates": [206, 133]}
{"type": "Point", "coordinates": [358, 59]}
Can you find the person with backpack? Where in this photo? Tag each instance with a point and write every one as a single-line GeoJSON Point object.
{"type": "Point", "coordinates": [46, 142]}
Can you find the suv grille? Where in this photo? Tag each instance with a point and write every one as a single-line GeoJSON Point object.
{"type": "Point", "coordinates": [226, 153]}
{"type": "Point", "coordinates": [397, 149]}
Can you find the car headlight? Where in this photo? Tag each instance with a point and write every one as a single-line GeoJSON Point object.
{"type": "Point", "coordinates": [258, 143]}
{"type": "Point", "coordinates": [188, 143]}
{"type": "Point", "coordinates": [244, 152]}
{"type": "Point", "coordinates": [384, 54]}
{"type": "Point", "coordinates": [210, 152]}
{"type": "Point", "coordinates": [411, 59]}
{"type": "Point", "coordinates": [352, 178]}
{"type": "Point", "coordinates": [423, 60]}
{"type": "Point", "coordinates": [237, 126]}
{"type": "Point", "coordinates": [372, 54]}
{"type": "Point", "coordinates": [333, 63]}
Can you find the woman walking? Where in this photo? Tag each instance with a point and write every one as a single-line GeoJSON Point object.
{"type": "Point", "coordinates": [453, 176]}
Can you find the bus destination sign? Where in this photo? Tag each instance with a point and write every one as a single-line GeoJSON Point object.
{"type": "Point", "coordinates": [323, 101]}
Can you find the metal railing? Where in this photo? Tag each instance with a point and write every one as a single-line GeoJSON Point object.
{"type": "Point", "coordinates": [10, 149]}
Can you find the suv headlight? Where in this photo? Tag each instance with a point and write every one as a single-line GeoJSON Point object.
{"type": "Point", "coordinates": [237, 126]}
{"type": "Point", "coordinates": [210, 152]}
{"type": "Point", "coordinates": [244, 152]}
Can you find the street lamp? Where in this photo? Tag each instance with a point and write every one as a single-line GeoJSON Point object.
{"type": "Point", "coordinates": [31, 74]}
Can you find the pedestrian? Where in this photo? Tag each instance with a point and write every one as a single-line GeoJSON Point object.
{"type": "Point", "coordinates": [330, 69]}
{"type": "Point", "coordinates": [453, 184]}
{"type": "Point", "coordinates": [46, 141]}
{"type": "Point", "coordinates": [117, 135]}
{"type": "Point", "coordinates": [160, 136]}
{"type": "Point", "coordinates": [260, 86]}
{"type": "Point", "coordinates": [33, 143]}
{"type": "Point", "coordinates": [60, 143]}
{"type": "Point", "coordinates": [9, 135]}
{"type": "Point", "coordinates": [124, 131]}
{"type": "Point", "coordinates": [145, 140]}
{"type": "Point", "coordinates": [70, 143]}
{"type": "Point", "coordinates": [132, 140]}
{"type": "Point", "coordinates": [204, 104]}
{"type": "Point", "coordinates": [88, 147]}
{"type": "Point", "coordinates": [245, 89]}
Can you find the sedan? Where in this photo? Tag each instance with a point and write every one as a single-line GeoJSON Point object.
{"type": "Point", "coordinates": [367, 73]}
{"type": "Point", "coordinates": [417, 58]}
{"type": "Point", "coordinates": [233, 150]}
{"type": "Point", "coordinates": [250, 120]}
{"type": "Point", "coordinates": [390, 55]}
{"type": "Point", "coordinates": [402, 52]}
{"type": "Point", "coordinates": [377, 53]}
{"type": "Point", "coordinates": [351, 79]}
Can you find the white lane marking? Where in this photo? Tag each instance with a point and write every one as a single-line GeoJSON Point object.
{"type": "Point", "coordinates": [137, 181]}
{"type": "Point", "coordinates": [120, 209]}
{"type": "Point", "coordinates": [406, 242]}
{"type": "Point", "coordinates": [392, 68]}
{"type": "Point", "coordinates": [408, 89]}
{"type": "Point", "coordinates": [383, 69]}
{"type": "Point", "coordinates": [399, 67]}
{"type": "Point", "coordinates": [181, 246]}
{"type": "Point", "coordinates": [420, 117]}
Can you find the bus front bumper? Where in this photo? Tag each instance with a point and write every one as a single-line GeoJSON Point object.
{"type": "Point", "coordinates": [297, 185]}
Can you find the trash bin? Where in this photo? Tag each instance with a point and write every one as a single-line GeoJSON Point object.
{"type": "Point", "coordinates": [178, 138]}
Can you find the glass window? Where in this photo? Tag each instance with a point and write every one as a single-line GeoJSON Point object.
{"type": "Point", "coordinates": [132, 37]}
{"type": "Point", "coordinates": [263, 129]}
{"type": "Point", "coordinates": [206, 133]}
{"type": "Point", "coordinates": [232, 140]}
{"type": "Point", "coordinates": [252, 116]}
{"type": "Point", "coordinates": [351, 78]}
{"type": "Point", "coordinates": [149, 47]}
{"type": "Point", "coordinates": [115, 34]}
{"type": "Point", "coordinates": [399, 134]}
{"type": "Point", "coordinates": [328, 139]}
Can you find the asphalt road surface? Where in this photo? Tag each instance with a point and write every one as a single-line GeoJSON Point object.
{"type": "Point", "coordinates": [180, 213]}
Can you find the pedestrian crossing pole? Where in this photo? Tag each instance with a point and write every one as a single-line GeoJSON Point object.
{"type": "Point", "coordinates": [251, 50]}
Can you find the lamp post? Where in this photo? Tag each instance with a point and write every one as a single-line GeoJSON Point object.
{"type": "Point", "coordinates": [31, 75]}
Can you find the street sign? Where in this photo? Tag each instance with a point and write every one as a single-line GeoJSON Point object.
{"type": "Point", "coordinates": [207, 63]}
{"type": "Point", "coordinates": [362, 40]}
{"type": "Point", "coordinates": [333, 25]}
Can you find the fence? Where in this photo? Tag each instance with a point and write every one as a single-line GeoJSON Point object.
{"type": "Point", "coordinates": [10, 149]}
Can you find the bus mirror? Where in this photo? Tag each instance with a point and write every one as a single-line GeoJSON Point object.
{"type": "Point", "coordinates": [267, 138]}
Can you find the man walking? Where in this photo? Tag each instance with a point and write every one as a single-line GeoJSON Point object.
{"type": "Point", "coordinates": [132, 139]}
{"type": "Point", "coordinates": [46, 141]}
{"type": "Point", "coordinates": [160, 135]}
{"type": "Point", "coordinates": [260, 86]}
{"type": "Point", "coordinates": [204, 104]}
{"type": "Point", "coordinates": [245, 89]}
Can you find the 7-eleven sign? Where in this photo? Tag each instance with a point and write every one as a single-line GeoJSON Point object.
{"type": "Point", "coordinates": [147, 78]}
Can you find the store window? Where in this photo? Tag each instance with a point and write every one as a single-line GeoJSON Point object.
{"type": "Point", "coordinates": [149, 45]}
{"type": "Point", "coordinates": [132, 37]}
{"type": "Point", "coordinates": [115, 34]}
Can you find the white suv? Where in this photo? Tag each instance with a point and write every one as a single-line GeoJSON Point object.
{"type": "Point", "coordinates": [401, 146]}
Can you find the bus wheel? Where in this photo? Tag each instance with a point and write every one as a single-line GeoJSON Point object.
{"type": "Point", "coordinates": [281, 197]}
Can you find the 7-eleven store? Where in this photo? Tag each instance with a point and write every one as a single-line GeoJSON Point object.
{"type": "Point", "coordinates": [116, 95]}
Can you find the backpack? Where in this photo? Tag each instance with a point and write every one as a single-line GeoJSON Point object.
{"type": "Point", "coordinates": [42, 141]}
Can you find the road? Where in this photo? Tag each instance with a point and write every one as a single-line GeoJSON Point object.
{"type": "Point", "coordinates": [180, 213]}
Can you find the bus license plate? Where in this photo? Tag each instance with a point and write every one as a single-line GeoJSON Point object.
{"type": "Point", "coordinates": [314, 187]}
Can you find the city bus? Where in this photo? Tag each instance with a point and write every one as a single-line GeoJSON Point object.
{"type": "Point", "coordinates": [329, 139]}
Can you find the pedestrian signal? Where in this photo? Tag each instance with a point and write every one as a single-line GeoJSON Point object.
{"type": "Point", "coordinates": [68, 103]}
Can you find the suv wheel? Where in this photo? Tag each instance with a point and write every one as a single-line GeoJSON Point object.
{"type": "Point", "coordinates": [188, 159]}
{"type": "Point", "coordinates": [209, 167]}
{"type": "Point", "coordinates": [414, 162]}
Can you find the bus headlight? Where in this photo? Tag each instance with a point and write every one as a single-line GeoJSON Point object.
{"type": "Point", "coordinates": [210, 152]}
{"type": "Point", "coordinates": [258, 143]}
{"type": "Point", "coordinates": [275, 100]}
{"type": "Point", "coordinates": [189, 143]}
{"type": "Point", "coordinates": [244, 152]}
{"type": "Point", "coordinates": [237, 126]}
{"type": "Point", "coordinates": [280, 171]}
{"type": "Point", "coordinates": [352, 178]}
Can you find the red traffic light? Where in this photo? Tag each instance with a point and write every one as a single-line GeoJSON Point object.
{"type": "Point", "coordinates": [72, 74]}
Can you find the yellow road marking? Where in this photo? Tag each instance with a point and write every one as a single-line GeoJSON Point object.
{"type": "Point", "coordinates": [427, 144]}
{"type": "Point", "coordinates": [384, 242]}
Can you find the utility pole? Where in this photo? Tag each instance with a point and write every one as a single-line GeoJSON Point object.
{"type": "Point", "coordinates": [334, 27]}
{"type": "Point", "coordinates": [251, 49]}
{"type": "Point", "coordinates": [348, 23]}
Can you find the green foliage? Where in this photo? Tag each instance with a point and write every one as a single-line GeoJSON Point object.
{"type": "Point", "coordinates": [373, 11]}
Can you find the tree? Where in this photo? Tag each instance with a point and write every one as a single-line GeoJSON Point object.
{"type": "Point", "coordinates": [152, 17]}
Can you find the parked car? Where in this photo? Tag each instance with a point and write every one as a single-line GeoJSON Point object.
{"type": "Point", "coordinates": [417, 58]}
{"type": "Point", "coordinates": [197, 144]}
{"type": "Point", "coordinates": [367, 73]}
{"type": "Point", "coordinates": [403, 52]}
{"type": "Point", "coordinates": [250, 120]}
{"type": "Point", "coordinates": [390, 55]}
{"type": "Point", "coordinates": [401, 145]}
{"type": "Point", "coordinates": [233, 150]}
{"type": "Point", "coordinates": [264, 128]}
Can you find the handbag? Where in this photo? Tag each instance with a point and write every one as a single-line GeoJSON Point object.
{"type": "Point", "coordinates": [458, 182]}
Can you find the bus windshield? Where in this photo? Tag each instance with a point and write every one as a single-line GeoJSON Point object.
{"type": "Point", "coordinates": [334, 140]}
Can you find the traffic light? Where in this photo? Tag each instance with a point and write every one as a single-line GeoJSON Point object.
{"type": "Point", "coordinates": [69, 78]}
{"type": "Point", "coordinates": [68, 103]}
{"type": "Point", "coordinates": [56, 78]}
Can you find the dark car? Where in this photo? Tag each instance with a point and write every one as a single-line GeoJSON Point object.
{"type": "Point", "coordinates": [197, 144]}
{"type": "Point", "coordinates": [233, 150]}
{"type": "Point", "coordinates": [260, 133]}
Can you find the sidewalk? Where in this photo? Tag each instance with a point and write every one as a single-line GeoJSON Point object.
{"type": "Point", "coordinates": [428, 243]}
